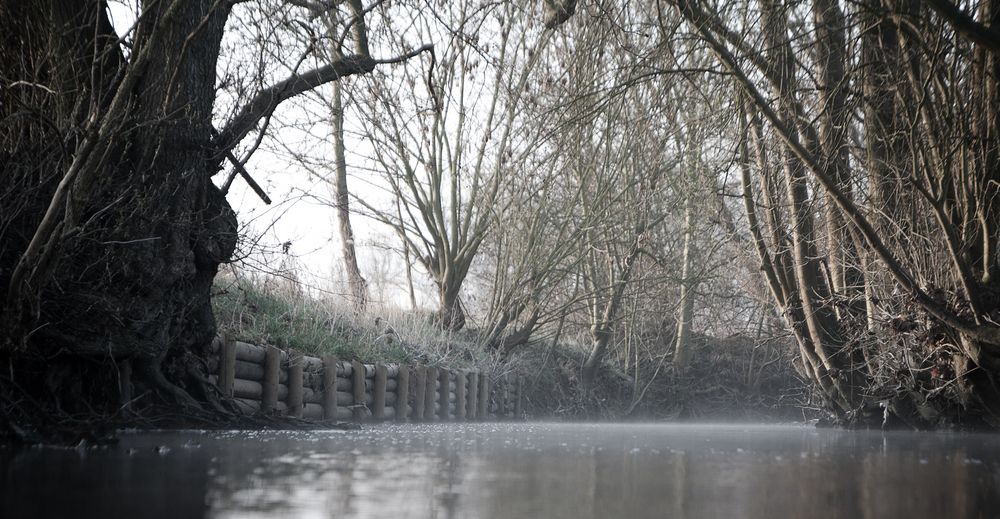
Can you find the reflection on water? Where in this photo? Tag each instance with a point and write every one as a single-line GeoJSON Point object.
{"type": "Point", "coordinates": [513, 471]}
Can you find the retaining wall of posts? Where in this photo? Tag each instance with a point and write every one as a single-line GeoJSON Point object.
{"type": "Point", "coordinates": [267, 379]}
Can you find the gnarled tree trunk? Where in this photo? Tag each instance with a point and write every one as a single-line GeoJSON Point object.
{"type": "Point", "coordinates": [112, 228]}
{"type": "Point", "coordinates": [133, 230]}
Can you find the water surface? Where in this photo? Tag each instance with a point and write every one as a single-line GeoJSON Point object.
{"type": "Point", "coordinates": [513, 471]}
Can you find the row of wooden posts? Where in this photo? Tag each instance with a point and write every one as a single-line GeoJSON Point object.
{"type": "Point", "coordinates": [268, 379]}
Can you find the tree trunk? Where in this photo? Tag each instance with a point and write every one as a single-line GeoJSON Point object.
{"type": "Point", "coordinates": [846, 278]}
{"type": "Point", "coordinates": [355, 281]}
{"type": "Point", "coordinates": [820, 321]}
{"type": "Point", "coordinates": [601, 330]}
{"type": "Point", "coordinates": [450, 312]}
{"type": "Point", "coordinates": [885, 159]}
{"type": "Point", "coordinates": [682, 351]}
{"type": "Point", "coordinates": [128, 271]}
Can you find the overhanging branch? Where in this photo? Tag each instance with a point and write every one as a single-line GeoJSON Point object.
{"type": "Point", "coordinates": [988, 36]}
{"type": "Point", "coordinates": [268, 99]}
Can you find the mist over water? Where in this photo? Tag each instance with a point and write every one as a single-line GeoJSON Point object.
{"type": "Point", "coordinates": [513, 470]}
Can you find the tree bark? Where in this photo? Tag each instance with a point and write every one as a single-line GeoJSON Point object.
{"type": "Point", "coordinates": [450, 311]}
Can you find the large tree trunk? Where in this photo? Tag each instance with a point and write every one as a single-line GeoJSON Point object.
{"type": "Point", "coordinates": [127, 267]}
{"type": "Point", "coordinates": [450, 311]}
{"type": "Point", "coordinates": [113, 229]}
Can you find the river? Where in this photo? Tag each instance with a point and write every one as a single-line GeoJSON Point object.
{"type": "Point", "coordinates": [513, 470]}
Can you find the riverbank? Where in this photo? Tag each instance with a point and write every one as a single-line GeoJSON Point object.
{"type": "Point", "coordinates": [734, 378]}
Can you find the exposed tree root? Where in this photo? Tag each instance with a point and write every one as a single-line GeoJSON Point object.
{"type": "Point", "coordinates": [42, 403]}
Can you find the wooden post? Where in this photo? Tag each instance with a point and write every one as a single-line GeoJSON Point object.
{"type": "Point", "coordinates": [272, 365]}
{"type": "Point", "coordinates": [419, 388]}
{"type": "Point", "coordinates": [227, 366]}
{"type": "Point", "coordinates": [504, 397]}
{"type": "Point", "coordinates": [460, 403]}
{"type": "Point", "coordinates": [330, 387]}
{"type": "Point", "coordinates": [125, 383]}
{"type": "Point", "coordinates": [484, 396]}
{"type": "Point", "coordinates": [473, 396]}
{"type": "Point", "coordinates": [402, 393]}
{"type": "Point", "coordinates": [444, 388]}
{"type": "Point", "coordinates": [381, 376]}
{"type": "Point", "coordinates": [358, 385]}
{"type": "Point", "coordinates": [294, 400]}
{"type": "Point", "coordinates": [519, 398]}
{"type": "Point", "coordinates": [430, 395]}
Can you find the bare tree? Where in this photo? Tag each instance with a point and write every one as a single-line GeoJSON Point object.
{"type": "Point", "coordinates": [341, 195]}
{"type": "Point", "coordinates": [444, 154]}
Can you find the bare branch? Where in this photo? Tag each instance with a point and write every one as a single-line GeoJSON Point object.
{"type": "Point", "coordinates": [268, 99]}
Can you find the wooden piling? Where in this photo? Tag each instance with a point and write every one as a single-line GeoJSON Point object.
{"type": "Point", "coordinates": [125, 383]}
{"type": "Point", "coordinates": [503, 407]}
{"type": "Point", "coordinates": [444, 387]}
{"type": "Point", "coordinates": [227, 366]}
{"type": "Point", "coordinates": [484, 396]}
{"type": "Point", "coordinates": [294, 384]}
{"type": "Point", "coordinates": [330, 387]}
{"type": "Point", "coordinates": [402, 393]}
{"type": "Point", "coordinates": [430, 395]}
{"type": "Point", "coordinates": [381, 376]}
{"type": "Point", "coordinates": [460, 403]}
{"type": "Point", "coordinates": [269, 393]}
{"type": "Point", "coordinates": [473, 396]}
{"type": "Point", "coordinates": [358, 387]}
{"type": "Point", "coordinates": [419, 390]}
{"type": "Point", "coordinates": [519, 398]}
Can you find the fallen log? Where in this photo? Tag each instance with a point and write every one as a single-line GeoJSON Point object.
{"type": "Point", "coordinates": [253, 353]}
{"type": "Point", "coordinates": [255, 390]}
{"type": "Point", "coordinates": [249, 406]}
{"type": "Point", "coordinates": [347, 399]}
{"type": "Point", "coordinates": [253, 371]}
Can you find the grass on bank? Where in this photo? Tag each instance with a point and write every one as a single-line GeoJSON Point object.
{"type": "Point", "coordinates": [267, 310]}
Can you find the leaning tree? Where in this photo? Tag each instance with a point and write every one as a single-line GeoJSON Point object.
{"type": "Point", "coordinates": [111, 229]}
{"type": "Point", "coordinates": [869, 152]}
